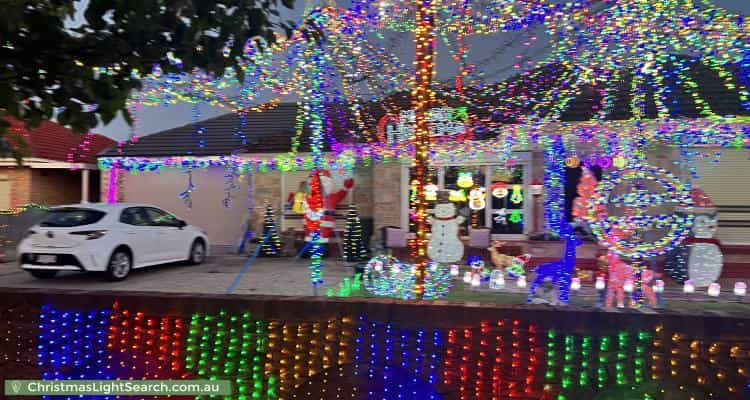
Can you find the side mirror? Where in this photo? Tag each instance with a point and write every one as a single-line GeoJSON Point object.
{"type": "Point", "coordinates": [181, 224]}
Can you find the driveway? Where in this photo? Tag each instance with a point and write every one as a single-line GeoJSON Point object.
{"type": "Point", "coordinates": [276, 276]}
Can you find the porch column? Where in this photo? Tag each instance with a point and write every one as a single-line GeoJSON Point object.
{"type": "Point", "coordinates": [85, 175]}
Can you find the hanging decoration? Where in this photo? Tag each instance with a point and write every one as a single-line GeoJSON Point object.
{"type": "Point", "coordinates": [457, 196]}
{"type": "Point", "coordinates": [464, 180]}
{"type": "Point", "coordinates": [499, 190]}
{"type": "Point", "coordinates": [517, 196]}
{"type": "Point", "coordinates": [477, 198]}
{"type": "Point", "coordinates": [186, 195]}
{"type": "Point", "coordinates": [430, 192]}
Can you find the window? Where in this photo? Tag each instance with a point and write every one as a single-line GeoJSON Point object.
{"type": "Point", "coordinates": [159, 217]}
{"type": "Point", "coordinates": [69, 217]}
{"type": "Point", "coordinates": [506, 199]}
{"type": "Point", "coordinates": [500, 194]}
{"type": "Point", "coordinates": [463, 180]}
{"type": "Point", "coordinates": [134, 216]}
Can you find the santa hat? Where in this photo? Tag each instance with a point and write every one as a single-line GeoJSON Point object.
{"type": "Point", "coordinates": [702, 203]}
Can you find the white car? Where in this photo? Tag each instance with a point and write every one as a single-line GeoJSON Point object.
{"type": "Point", "coordinates": [110, 238]}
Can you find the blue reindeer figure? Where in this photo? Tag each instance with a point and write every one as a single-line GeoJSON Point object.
{"type": "Point", "coordinates": [560, 271]}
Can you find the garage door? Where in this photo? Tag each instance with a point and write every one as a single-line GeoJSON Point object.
{"type": "Point", "coordinates": [727, 182]}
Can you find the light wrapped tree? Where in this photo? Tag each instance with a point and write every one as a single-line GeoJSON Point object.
{"type": "Point", "coordinates": [354, 244]}
{"type": "Point", "coordinates": [271, 245]}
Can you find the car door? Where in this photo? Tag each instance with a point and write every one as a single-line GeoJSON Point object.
{"type": "Point", "coordinates": [170, 234]}
{"type": "Point", "coordinates": [141, 235]}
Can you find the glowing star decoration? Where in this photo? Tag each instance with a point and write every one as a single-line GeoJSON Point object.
{"type": "Point", "coordinates": [633, 200]}
{"type": "Point", "coordinates": [688, 287]}
{"type": "Point", "coordinates": [658, 286]}
{"type": "Point", "coordinates": [455, 270]}
{"type": "Point", "coordinates": [575, 284]}
{"type": "Point", "coordinates": [499, 190]}
{"type": "Point", "coordinates": [477, 198]}
{"type": "Point", "coordinates": [517, 196]}
{"type": "Point", "coordinates": [431, 192]}
{"type": "Point", "coordinates": [465, 180]}
{"type": "Point", "coordinates": [457, 196]}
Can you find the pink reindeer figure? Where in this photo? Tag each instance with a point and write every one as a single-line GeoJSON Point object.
{"type": "Point", "coordinates": [619, 272]}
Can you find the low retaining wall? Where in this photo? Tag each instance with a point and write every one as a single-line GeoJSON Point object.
{"type": "Point", "coordinates": [300, 347]}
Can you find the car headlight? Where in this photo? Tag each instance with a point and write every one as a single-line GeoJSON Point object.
{"type": "Point", "coordinates": [90, 234]}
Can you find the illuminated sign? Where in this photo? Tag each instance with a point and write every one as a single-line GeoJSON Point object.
{"type": "Point", "coordinates": [442, 121]}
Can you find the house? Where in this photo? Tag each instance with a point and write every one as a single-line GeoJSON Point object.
{"type": "Point", "coordinates": [58, 166]}
{"type": "Point", "coordinates": [211, 198]}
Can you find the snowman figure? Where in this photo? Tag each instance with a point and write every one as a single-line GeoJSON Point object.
{"type": "Point", "coordinates": [704, 255]}
{"type": "Point", "coordinates": [444, 245]}
{"type": "Point", "coordinates": [699, 258]}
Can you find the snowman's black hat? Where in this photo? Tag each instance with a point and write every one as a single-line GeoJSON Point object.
{"type": "Point", "coordinates": [443, 196]}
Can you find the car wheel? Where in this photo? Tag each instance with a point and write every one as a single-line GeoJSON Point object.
{"type": "Point", "coordinates": [43, 273]}
{"type": "Point", "coordinates": [197, 252]}
{"type": "Point", "coordinates": [119, 265]}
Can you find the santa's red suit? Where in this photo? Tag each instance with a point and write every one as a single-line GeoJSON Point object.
{"type": "Point", "coordinates": [333, 188]}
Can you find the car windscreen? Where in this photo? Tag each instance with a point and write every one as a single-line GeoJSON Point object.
{"type": "Point", "coordinates": [69, 217]}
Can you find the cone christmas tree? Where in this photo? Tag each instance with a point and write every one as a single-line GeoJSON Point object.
{"type": "Point", "coordinates": [354, 243]}
{"type": "Point", "coordinates": [272, 245]}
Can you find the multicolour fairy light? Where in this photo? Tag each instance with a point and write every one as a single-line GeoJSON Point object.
{"type": "Point", "coordinates": [649, 199]}
{"type": "Point", "coordinates": [350, 356]}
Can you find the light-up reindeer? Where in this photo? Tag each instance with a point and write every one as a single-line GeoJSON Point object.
{"type": "Point", "coordinates": [560, 271]}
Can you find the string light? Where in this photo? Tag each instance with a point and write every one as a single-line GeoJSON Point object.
{"type": "Point", "coordinates": [345, 357]}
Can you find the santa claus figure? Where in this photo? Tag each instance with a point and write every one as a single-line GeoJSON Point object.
{"type": "Point", "coordinates": [326, 190]}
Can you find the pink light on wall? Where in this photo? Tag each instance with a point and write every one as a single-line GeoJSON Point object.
{"type": "Point", "coordinates": [112, 189]}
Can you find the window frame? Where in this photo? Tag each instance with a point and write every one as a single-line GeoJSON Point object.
{"type": "Point", "coordinates": [175, 224]}
{"type": "Point", "coordinates": [124, 210]}
{"type": "Point", "coordinates": [524, 160]}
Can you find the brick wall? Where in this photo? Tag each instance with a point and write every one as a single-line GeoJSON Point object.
{"type": "Point", "coordinates": [20, 178]}
{"type": "Point", "coordinates": [386, 194]}
{"type": "Point", "coordinates": [55, 186]}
